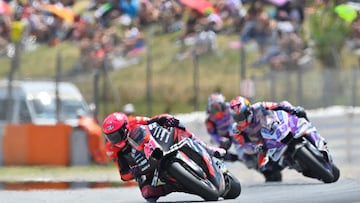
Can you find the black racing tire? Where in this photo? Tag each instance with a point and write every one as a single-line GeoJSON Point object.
{"type": "Point", "coordinates": [313, 165]}
{"type": "Point", "coordinates": [235, 186]}
{"type": "Point", "coordinates": [197, 185]}
{"type": "Point", "coordinates": [336, 173]}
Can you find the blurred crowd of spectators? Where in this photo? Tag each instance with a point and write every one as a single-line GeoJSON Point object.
{"type": "Point", "coordinates": [277, 33]}
{"type": "Point", "coordinates": [116, 27]}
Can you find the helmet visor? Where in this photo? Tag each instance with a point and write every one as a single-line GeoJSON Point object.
{"type": "Point", "coordinates": [219, 115]}
{"type": "Point", "coordinates": [239, 117]}
{"type": "Point", "coordinates": [117, 136]}
{"type": "Point", "coordinates": [216, 108]}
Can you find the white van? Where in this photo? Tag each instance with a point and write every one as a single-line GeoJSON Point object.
{"type": "Point", "coordinates": [35, 102]}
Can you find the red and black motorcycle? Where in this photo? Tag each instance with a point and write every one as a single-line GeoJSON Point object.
{"type": "Point", "coordinates": [181, 160]}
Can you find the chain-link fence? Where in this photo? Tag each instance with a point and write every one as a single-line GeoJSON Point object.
{"type": "Point", "coordinates": [309, 87]}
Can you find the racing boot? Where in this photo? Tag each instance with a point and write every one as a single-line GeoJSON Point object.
{"type": "Point", "coordinates": [151, 194]}
{"type": "Point", "coordinates": [272, 176]}
{"type": "Point", "coordinates": [270, 169]}
{"type": "Point", "coordinates": [250, 160]}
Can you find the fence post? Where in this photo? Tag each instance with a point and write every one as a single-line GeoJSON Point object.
{"type": "Point", "coordinates": [96, 94]}
{"type": "Point", "coordinates": [288, 85]}
{"type": "Point", "coordinates": [354, 86]}
{"type": "Point", "coordinates": [58, 67]}
{"type": "Point", "coordinates": [1, 145]}
{"type": "Point", "coordinates": [105, 88]}
{"type": "Point", "coordinates": [242, 64]}
{"type": "Point", "coordinates": [327, 87]}
{"type": "Point", "coordinates": [150, 33]}
{"type": "Point", "coordinates": [196, 80]}
{"type": "Point", "coordinates": [79, 150]}
{"type": "Point", "coordinates": [349, 133]}
{"type": "Point", "coordinates": [272, 85]}
{"type": "Point", "coordinates": [299, 86]}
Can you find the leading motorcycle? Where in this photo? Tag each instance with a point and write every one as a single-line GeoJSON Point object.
{"type": "Point", "coordinates": [181, 161]}
{"type": "Point", "coordinates": [295, 143]}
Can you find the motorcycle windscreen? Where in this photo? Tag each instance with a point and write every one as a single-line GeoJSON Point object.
{"type": "Point", "coordinates": [139, 137]}
{"type": "Point", "coordinates": [163, 136]}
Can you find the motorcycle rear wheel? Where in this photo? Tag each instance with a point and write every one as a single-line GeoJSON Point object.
{"type": "Point", "coordinates": [197, 185]}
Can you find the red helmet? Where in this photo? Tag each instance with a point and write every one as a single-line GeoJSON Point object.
{"type": "Point", "coordinates": [116, 127]}
{"type": "Point", "coordinates": [240, 110]}
{"type": "Point", "coordinates": [216, 105]}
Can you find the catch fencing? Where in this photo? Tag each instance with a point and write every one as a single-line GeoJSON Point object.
{"type": "Point", "coordinates": [309, 87]}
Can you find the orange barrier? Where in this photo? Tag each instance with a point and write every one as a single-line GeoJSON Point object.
{"type": "Point", "coordinates": [29, 144]}
{"type": "Point", "coordinates": [36, 186]}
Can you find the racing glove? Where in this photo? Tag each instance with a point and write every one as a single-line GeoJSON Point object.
{"type": "Point", "coordinates": [166, 120]}
{"type": "Point", "coordinates": [299, 112]}
{"type": "Point", "coordinates": [225, 143]}
{"type": "Point", "coordinates": [216, 151]}
{"type": "Point", "coordinates": [231, 157]}
{"type": "Point", "coordinates": [172, 122]}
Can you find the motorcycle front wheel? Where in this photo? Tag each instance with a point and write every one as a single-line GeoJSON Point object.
{"type": "Point", "coordinates": [194, 183]}
{"type": "Point", "coordinates": [313, 165]}
{"type": "Point", "coordinates": [234, 186]}
{"type": "Point", "coordinates": [336, 173]}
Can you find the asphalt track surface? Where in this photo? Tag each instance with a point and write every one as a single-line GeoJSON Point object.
{"type": "Point", "coordinates": [341, 129]}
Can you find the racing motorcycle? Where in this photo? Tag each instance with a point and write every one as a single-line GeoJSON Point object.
{"type": "Point", "coordinates": [184, 162]}
{"type": "Point", "coordinates": [294, 142]}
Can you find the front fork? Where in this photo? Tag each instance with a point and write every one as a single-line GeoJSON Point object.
{"type": "Point", "coordinates": [223, 178]}
{"type": "Point", "coordinates": [320, 143]}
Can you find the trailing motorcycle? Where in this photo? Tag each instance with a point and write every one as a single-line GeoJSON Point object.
{"type": "Point", "coordinates": [295, 143]}
{"type": "Point", "coordinates": [184, 162]}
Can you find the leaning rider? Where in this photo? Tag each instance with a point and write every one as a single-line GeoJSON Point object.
{"type": "Point", "coordinates": [117, 128]}
{"type": "Point", "coordinates": [246, 133]}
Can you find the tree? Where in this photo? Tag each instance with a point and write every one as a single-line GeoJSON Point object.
{"type": "Point", "coordinates": [328, 32]}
